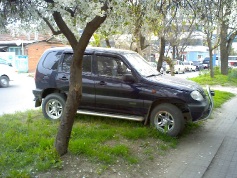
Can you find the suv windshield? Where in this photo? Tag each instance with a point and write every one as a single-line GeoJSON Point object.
{"type": "Point", "coordinates": [141, 65]}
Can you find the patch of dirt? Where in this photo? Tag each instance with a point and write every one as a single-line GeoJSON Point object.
{"type": "Point", "coordinates": [151, 160]}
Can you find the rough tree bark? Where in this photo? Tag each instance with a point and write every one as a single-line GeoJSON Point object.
{"type": "Point", "coordinates": [107, 42]}
{"type": "Point", "coordinates": [223, 48]}
{"type": "Point", "coordinates": [75, 88]}
{"type": "Point", "coordinates": [211, 62]}
{"type": "Point", "coordinates": [162, 53]}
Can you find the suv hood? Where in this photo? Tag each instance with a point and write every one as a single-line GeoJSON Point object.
{"type": "Point", "coordinates": [174, 82]}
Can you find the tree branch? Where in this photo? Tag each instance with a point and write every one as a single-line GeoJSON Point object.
{"type": "Point", "coordinates": [49, 24]}
{"type": "Point", "coordinates": [231, 39]}
{"type": "Point", "coordinates": [91, 27]}
{"type": "Point", "coordinates": [64, 29]}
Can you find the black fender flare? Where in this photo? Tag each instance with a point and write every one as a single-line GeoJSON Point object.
{"type": "Point", "coordinates": [175, 101]}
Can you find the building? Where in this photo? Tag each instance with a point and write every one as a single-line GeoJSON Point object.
{"type": "Point", "coordinates": [36, 49]}
{"type": "Point", "coordinates": [195, 53]}
{"type": "Point", "coordinates": [24, 51]}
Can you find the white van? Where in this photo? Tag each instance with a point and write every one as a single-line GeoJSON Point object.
{"type": "Point", "coordinates": [7, 73]}
{"type": "Point", "coordinates": [178, 67]}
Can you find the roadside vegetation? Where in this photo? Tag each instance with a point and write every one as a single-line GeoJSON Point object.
{"type": "Point", "coordinates": [27, 139]}
{"type": "Point", "coordinates": [27, 142]}
{"type": "Point", "coordinates": [218, 79]}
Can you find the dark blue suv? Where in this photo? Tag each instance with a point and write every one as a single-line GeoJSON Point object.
{"type": "Point", "coordinates": [120, 84]}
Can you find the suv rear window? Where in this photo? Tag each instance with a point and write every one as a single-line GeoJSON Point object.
{"type": "Point", "coordinates": [66, 63]}
{"type": "Point", "coordinates": [50, 61]}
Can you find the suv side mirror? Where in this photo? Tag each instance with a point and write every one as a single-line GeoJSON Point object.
{"type": "Point", "coordinates": [128, 78]}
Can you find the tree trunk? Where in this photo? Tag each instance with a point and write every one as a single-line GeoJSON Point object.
{"type": "Point", "coordinates": [173, 52]}
{"type": "Point", "coordinates": [209, 42]}
{"type": "Point", "coordinates": [75, 88]}
{"type": "Point", "coordinates": [170, 62]}
{"type": "Point", "coordinates": [72, 103]}
{"type": "Point", "coordinates": [211, 63]}
{"type": "Point", "coordinates": [138, 43]}
{"type": "Point", "coordinates": [143, 42]}
{"type": "Point", "coordinates": [223, 48]}
{"type": "Point", "coordinates": [107, 42]}
{"type": "Point", "coordinates": [162, 53]}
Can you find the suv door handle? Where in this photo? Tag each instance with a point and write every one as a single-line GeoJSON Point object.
{"type": "Point", "coordinates": [102, 83]}
{"type": "Point", "coordinates": [46, 77]}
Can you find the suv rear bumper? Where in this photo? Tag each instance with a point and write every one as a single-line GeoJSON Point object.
{"type": "Point", "coordinates": [38, 97]}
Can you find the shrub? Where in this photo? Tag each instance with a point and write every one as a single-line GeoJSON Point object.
{"type": "Point", "coordinates": [232, 74]}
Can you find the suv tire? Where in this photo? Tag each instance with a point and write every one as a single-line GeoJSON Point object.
{"type": "Point", "coordinates": [167, 118]}
{"type": "Point", "coordinates": [4, 81]}
{"type": "Point", "coordinates": [53, 106]}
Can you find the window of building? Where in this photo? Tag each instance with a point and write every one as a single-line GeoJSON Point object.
{"type": "Point", "coordinates": [16, 50]}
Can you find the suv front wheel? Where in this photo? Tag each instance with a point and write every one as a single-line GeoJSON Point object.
{"type": "Point", "coordinates": [53, 106]}
{"type": "Point", "coordinates": [167, 118]}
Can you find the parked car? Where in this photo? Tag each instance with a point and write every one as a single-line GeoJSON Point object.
{"type": "Point", "coordinates": [120, 84]}
{"type": "Point", "coordinates": [199, 66]}
{"type": "Point", "coordinates": [189, 66]}
{"type": "Point", "coordinates": [7, 74]}
{"type": "Point", "coordinates": [206, 63]}
{"type": "Point", "coordinates": [178, 67]}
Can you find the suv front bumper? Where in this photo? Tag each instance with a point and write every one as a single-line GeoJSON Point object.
{"type": "Point", "coordinates": [202, 111]}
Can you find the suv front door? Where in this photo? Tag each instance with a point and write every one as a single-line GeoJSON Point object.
{"type": "Point", "coordinates": [113, 94]}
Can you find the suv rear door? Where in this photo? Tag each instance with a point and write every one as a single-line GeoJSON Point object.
{"type": "Point", "coordinates": [47, 69]}
{"type": "Point", "coordinates": [63, 78]}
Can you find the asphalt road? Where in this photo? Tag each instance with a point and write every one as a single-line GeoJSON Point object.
{"type": "Point", "coordinates": [187, 74]}
{"type": "Point", "coordinates": [18, 96]}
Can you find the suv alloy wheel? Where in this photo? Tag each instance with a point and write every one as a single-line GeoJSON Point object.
{"type": "Point", "coordinates": [53, 106]}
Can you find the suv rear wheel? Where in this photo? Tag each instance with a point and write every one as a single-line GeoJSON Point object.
{"type": "Point", "coordinates": [167, 118]}
{"type": "Point", "coordinates": [53, 106]}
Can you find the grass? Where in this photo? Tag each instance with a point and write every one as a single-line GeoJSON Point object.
{"type": "Point", "coordinates": [228, 80]}
{"type": "Point", "coordinates": [24, 148]}
{"type": "Point", "coordinates": [27, 139]}
{"type": "Point", "coordinates": [221, 96]}
{"type": "Point", "coordinates": [107, 140]}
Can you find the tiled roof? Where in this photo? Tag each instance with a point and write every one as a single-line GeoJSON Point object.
{"type": "Point", "coordinates": [30, 37]}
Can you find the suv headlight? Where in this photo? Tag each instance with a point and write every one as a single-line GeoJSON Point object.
{"type": "Point", "coordinates": [196, 95]}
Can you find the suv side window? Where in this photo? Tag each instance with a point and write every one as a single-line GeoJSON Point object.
{"type": "Point", "coordinates": [51, 60]}
{"type": "Point", "coordinates": [66, 62]}
{"type": "Point", "coordinates": [111, 67]}
{"type": "Point", "coordinates": [86, 66]}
